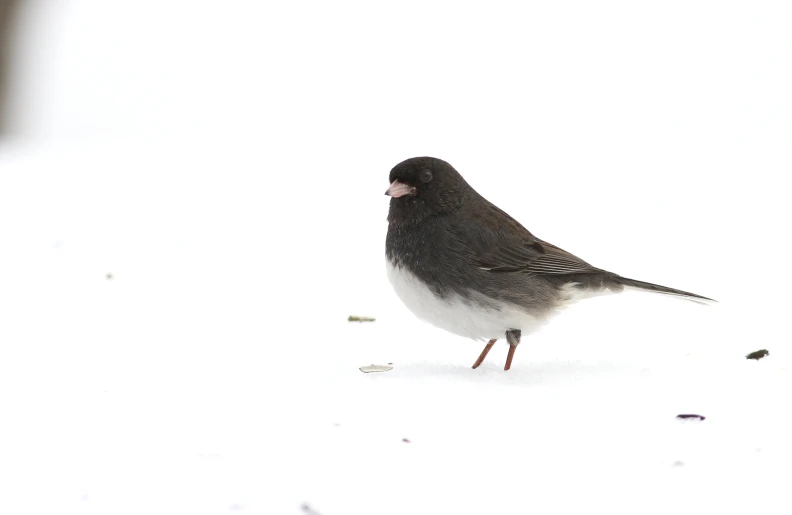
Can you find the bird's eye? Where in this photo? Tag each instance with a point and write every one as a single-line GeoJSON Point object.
{"type": "Point", "coordinates": [426, 175]}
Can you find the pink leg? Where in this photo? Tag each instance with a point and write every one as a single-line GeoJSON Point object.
{"type": "Point", "coordinates": [512, 348]}
{"type": "Point", "coordinates": [484, 353]}
{"type": "Point", "coordinates": [513, 337]}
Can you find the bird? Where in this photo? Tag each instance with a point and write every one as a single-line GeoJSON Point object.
{"type": "Point", "coordinates": [462, 264]}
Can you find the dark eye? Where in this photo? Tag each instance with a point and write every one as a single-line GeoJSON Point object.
{"type": "Point", "coordinates": [426, 175]}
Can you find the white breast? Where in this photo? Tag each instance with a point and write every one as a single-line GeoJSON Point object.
{"type": "Point", "coordinates": [457, 314]}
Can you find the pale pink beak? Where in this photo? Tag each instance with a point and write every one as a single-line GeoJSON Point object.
{"type": "Point", "coordinates": [399, 189]}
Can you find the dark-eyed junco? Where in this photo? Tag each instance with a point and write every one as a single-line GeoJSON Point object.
{"type": "Point", "coordinates": [460, 263]}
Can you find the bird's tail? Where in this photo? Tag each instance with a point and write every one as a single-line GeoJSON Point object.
{"type": "Point", "coordinates": [641, 285]}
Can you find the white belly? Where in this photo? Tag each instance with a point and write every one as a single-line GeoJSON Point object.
{"type": "Point", "coordinates": [459, 315]}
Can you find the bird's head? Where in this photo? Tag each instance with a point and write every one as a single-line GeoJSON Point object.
{"type": "Point", "coordinates": [424, 186]}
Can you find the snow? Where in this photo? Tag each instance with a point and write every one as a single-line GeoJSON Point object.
{"type": "Point", "coordinates": [214, 369]}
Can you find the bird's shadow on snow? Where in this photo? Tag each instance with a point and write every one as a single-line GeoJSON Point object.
{"type": "Point", "coordinates": [525, 374]}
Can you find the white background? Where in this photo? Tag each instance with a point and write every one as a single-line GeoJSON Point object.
{"type": "Point", "coordinates": [226, 163]}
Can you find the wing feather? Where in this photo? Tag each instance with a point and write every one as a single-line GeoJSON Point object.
{"type": "Point", "coordinates": [510, 247]}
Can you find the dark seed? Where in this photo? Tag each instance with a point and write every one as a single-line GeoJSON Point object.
{"type": "Point", "coordinates": [758, 354]}
{"type": "Point", "coordinates": [699, 417]}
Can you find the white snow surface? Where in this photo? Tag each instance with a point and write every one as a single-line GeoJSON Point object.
{"type": "Point", "coordinates": [214, 370]}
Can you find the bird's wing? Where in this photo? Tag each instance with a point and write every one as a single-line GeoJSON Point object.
{"type": "Point", "coordinates": [503, 245]}
{"type": "Point", "coordinates": [496, 242]}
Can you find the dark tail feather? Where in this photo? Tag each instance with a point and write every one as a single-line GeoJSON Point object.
{"type": "Point", "coordinates": [665, 290]}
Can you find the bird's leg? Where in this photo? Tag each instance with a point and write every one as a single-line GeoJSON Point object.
{"type": "Point", "coordinates": [513, 337]}
{"type": "Point", "coordinates": [484, 353]}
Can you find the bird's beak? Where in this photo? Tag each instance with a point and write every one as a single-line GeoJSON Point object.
{"type": "Point", "coordinates": [399, 189]}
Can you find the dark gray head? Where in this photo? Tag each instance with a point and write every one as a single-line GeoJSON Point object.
{"type": "Point", "coordinates": [421, 187]}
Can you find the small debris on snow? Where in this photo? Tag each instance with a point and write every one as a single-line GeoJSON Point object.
{"type": "Point", "coordinates": [353, 318]}
{"type": "Point", "coordinates": [406, 440]}
{"type": "Point", "coordinates": [696, 417]}
{"type": "Point", "coordinates": [678, 464]}
{"type": "Point", "coordinates": [109, 277]}
{"type": "Point", "coordinates": [758, 354]}
{"type": "Point", "coordinates": [307, 509]}
{"type": "Point", "coordinates": [375, 368]}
